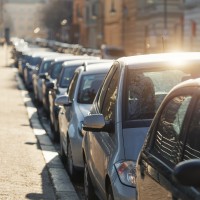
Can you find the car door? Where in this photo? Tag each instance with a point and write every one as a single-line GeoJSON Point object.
{"type": "Point", "coordinates": [192, 146]}
{"type": "Point", "coordinates": [164, 150]}
{"type": "Point", "coordinates": [65, 113]}
{"type": "Point", "coordinates": [103, 143]}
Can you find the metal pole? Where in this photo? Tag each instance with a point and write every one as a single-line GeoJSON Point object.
{"type": "Point", "coordinates": [165, 15]}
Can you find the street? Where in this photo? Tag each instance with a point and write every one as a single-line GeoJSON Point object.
{"type": "Point", "coordinates": [30, 165]}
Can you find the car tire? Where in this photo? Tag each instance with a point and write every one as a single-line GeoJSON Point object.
{"type": "Point", "coordinates": [54, 133]}
{"type": "Point", "coordinates": [88, 187]}
{"type": "Point", "coordinates": [62, 153]}
{"type": "Point", "coordinates": [70, 167]}
{"type": "Point", "coordinates": [110, 193]}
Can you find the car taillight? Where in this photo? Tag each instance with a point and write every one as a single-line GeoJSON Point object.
{"type": "Point", "coordinates": [126, 172]}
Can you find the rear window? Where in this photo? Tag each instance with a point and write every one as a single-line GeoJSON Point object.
{"type": "Point", "coordinates": [35, 61]}
{"type": "Point", "coordinates": [88, 88]}
{"type": "Point", "coordinates": [146, 90]}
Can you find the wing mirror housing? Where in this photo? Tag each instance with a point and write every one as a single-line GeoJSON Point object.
{"type": "Point", "coordinates": [94, 122]}
{"type": "Point", "coordinates": [50, 85]}
{"type": "Point", "coordinates": [43, 76]}
{"type": "Point", "coordinates": [62, 101]}
{"type": "Point", "coordinates": [188, 172]}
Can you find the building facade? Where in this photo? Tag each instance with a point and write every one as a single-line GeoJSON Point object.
{"type": "Point", "coordinates": [24, 18]}
{"type": "Point", "coordinates": [191, 25]}
{"type": "Point", "coordinates": [137, 27]}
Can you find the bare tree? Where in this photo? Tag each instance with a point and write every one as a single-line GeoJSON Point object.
{"type": "Point", "coordinates": [54, 14]}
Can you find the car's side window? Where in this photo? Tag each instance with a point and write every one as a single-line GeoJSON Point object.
{"type": "Point", "coordinates": [192, 147]}
{"type": "Point", "coordinates": [108, 108]}
{"type": "Point", "coordinates": [168, 142]}
{"type": "Point", "coordinates": [72, 87]}
{"type": "Point", "coordinates": [105, 86]}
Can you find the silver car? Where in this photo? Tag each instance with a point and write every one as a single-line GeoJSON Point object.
{"type": "Point", "coordinates": [120, 117]}
{"type": "Point", "coordinates": [76, 104]}
{"type": "Point", "coordinates": [61, 87]}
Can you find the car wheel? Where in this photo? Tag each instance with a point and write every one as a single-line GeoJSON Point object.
{"type": "Point", "coordinates": [62, 153]}
{"type": "Point", "coordinates": [88, 187]}
{"type": "Point", "coordinates": [70, 167]}
{"type": "Point", "coordinates": [55, 133]}
{"type": "Point", "coordinates": [110, 193]}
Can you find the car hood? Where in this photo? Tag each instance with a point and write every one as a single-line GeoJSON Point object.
{"type": "Point", "coordinates": [84, 109]}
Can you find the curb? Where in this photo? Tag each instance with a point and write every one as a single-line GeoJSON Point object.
{"type": "Point", "coordinates": [63, 187]}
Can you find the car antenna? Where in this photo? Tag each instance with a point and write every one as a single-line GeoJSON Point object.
{"type": "Point", "coordinates": [85, 65]}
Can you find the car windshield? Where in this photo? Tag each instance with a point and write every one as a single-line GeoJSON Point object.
{"type": "Point", "coordinates": [67, 77]}
{"type": "Point", "coordinates": [146, 90]}
{"type": "Point", "coordinates": [88, 88]}
{"type": "Point", "coordinates": [45, 66]}
{"type": "Point", "coordinates": [56, 69]}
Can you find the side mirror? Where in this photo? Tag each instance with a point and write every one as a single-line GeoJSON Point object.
{"type": "Point", "coordinates": [62, 101]}
{"type": "Point", "coordinates": [43, 76]}
{"type": "Point", "coordinates": [94, 122]}
{"type": "Point", "coordinates": [50, 85]}
{"type": "Point", "coordinates": [188, 172]}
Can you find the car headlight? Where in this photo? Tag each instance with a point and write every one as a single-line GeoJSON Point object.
{"type": "Point", "coordinates": [126, 171]}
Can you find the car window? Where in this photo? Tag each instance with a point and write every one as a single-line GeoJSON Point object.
{"type": "Point", "coordinates": [72, 86]}
{"type": "Point", "coordinates": [168, 142]}
{"type": "Point", "coordinates": [45, 66]}
{"type": "Point", "coordinates": [147, 89]}
{"type": "Point", "coordinates": [192, 147]}
{"type": "Point", "coordinates": [67, 76]}
{"type": "Point", "coordinates": [108, 108]}
{"type": "Point", "coordinates": [56, 69]}
{"type": "Point", "coordinates": [88, 88]}
{"type": "Point", "coordinates": [105, 86]}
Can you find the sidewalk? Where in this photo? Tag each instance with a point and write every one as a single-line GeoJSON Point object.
{"type": "Point", "coordinates": [26, 171]}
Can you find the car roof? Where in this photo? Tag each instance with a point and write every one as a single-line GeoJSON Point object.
{"type": "Point", "coordinates": [96, 68]}
{"type": "Point", "coordinates": [85, 62]}
{"type": "Point", "coordinates": [52, 57]}
{"type": "Point", "coordinates": [175, 58]}
{"type": "Point", "coordinates": [72, 57]}
{"type": "Point", "coordinates": [188, 83]}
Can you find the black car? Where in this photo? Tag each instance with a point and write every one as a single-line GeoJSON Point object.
{"type": "Point", "coordinates": [169, 163]}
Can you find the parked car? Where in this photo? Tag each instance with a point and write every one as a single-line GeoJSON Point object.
{"type": "Point", "coordinates": [122, 111]}
{"type": "Point", "coordinates": [50, 78]}
{"type": "Point", "coordinates": [32, 66]}
{"type": "Point", "coordinates": [75, 105]}
{"type": "Point", "coordinates": [61, 86]}
{"type": "Point", "coordinates": [36, 77]}
{"type": "Point", "coordinates": [24, 55]}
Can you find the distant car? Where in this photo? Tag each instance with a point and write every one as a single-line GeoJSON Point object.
{"type": "Point", "coordinates": [23, 56]}
{"type": "Point", "coordinates": [50, 78]}
{"type": "Point", "coordinates": [37, 77]}
{"type": "Point", "coordinates": [75, 105]}
{"type": "Point", "coordinates": [61, 87]}
{"type": "Point", "coordinates": [119, 120]}
{"type": "Point", "coordinates": [169, 163]}
{"type": "Point", "coordinates": [32, 66]}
